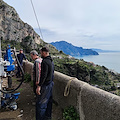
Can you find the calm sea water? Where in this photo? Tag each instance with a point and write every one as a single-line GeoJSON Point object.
{"type": "Point", "coordinates": [111, 60]}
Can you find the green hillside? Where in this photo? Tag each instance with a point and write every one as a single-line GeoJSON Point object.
{"type": "Point", "coordinates": [95, 75]}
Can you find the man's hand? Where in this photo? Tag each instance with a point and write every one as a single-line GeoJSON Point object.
{"type": "Point", "coordinates": [26, 60]}
{"type": "Point", "coordinates": [37, 83]}
{"type": "Point", "coordinates": [38, 90]}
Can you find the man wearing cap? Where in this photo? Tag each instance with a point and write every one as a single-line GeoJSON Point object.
{"type": "Point", "coordinates": [36, 69]}
{"type": "Point", "coordinates": [44, 88]}
{"type": "Point", "coordinates": [20, 57]}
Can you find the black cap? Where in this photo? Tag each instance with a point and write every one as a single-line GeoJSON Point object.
{"type": "Point", "coordinates": [45, 49]}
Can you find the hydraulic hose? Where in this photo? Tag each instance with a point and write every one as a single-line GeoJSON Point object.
{"type": "Point", "coordinates": [10, 91]}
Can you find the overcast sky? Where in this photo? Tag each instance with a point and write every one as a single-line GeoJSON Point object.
{"type": "Point", "coordinates": [84, 23]}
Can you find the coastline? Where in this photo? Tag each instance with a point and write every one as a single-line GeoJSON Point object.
{"type": "Point", "coordinates": [111, 60]}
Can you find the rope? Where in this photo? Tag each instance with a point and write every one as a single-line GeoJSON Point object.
{"type": "Point", "coordinates": [67, 88]}
{"type": "Point", "coordinates": [36, 19]}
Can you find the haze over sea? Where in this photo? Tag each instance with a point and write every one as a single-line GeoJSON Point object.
{"type": "Point", "coordinates": [111, 60]}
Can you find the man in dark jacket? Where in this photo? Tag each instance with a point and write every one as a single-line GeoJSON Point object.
{"type": "Point", "coordinates": [20, 57]}
{"type": "Point", "coordinates": [44, 88]}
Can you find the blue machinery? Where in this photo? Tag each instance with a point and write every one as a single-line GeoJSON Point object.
{"type": "Point", "coordinates": [7, 97]}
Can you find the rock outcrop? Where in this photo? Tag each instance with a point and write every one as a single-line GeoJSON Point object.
{"type": "Point", "coordinates": [13, 28]}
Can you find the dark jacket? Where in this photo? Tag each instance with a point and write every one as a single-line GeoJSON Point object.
{"type": "Point", "coordinates": [47, 71]}
{"type": "Point", "coordinates": [20, 57]}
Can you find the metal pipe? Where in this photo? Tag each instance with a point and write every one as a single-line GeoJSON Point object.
{"type": "Point", "coordinates": [0, 49]}
{"type": "Point", "coordinates": [0, 75]}
{"type": "Point", "coordinates": [0, 91]}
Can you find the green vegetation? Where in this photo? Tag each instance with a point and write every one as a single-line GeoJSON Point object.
{"type": "Point", "coordinates": [95, 75]}
{"type": "Point", "coordinates": [27, 77]}
{"type": "Point", "coordinates": [28, 44]}
{"type": "Point", "coordinates": [70, 113]}
{"type": "Point", "coordinates": [117, 92]}
{"type": "Point", "coordinates": [20, 89]}
{"type": "Point", "coordinates": [12, 43]}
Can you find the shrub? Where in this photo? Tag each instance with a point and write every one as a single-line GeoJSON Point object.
{"type": "Point", "coordinates": [27, 77]}
{"type": "Point", "coordinates": [70, 113]}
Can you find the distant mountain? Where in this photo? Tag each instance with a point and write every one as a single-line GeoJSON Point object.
{"type": "Point", "coordinates": [101, 51]}
{"type": "Point", "coordinates": [72, 50]}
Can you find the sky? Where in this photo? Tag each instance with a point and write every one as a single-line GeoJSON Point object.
{"type": "Point", "coordinates": [83, 23]}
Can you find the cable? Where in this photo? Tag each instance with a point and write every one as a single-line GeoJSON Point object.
{"type": "Point", "coordinates": [37, 19]}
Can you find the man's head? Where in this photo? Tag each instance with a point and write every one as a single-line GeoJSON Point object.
{"type": "Point", "coordinates": [34, 54]}
{"type": "Point", "coordinates": [44, 52]}
{"type": "Point", "coordinates": [21, 50]}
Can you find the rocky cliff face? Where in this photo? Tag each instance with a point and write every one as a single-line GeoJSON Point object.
{"type": "Point", "coordinates": [13, 28]}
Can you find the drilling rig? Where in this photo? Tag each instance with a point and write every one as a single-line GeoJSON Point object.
{"type": "Point", "coordinates": [7, 97]}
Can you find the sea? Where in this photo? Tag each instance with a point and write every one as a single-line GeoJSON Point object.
{"type": "Point", "coordinates": [110, 60]}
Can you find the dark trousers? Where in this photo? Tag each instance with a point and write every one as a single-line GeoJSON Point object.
{"type": "Point", "coordinates": [44, 103]}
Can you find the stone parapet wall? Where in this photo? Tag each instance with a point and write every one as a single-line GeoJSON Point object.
{"type": "Point", "coordinates": [28, 68]}
{"type": "Point", "coordinates": [92, 103]}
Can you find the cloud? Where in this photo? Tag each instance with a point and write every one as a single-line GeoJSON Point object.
{"type": "Point", "coordinates": [85, 23]}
